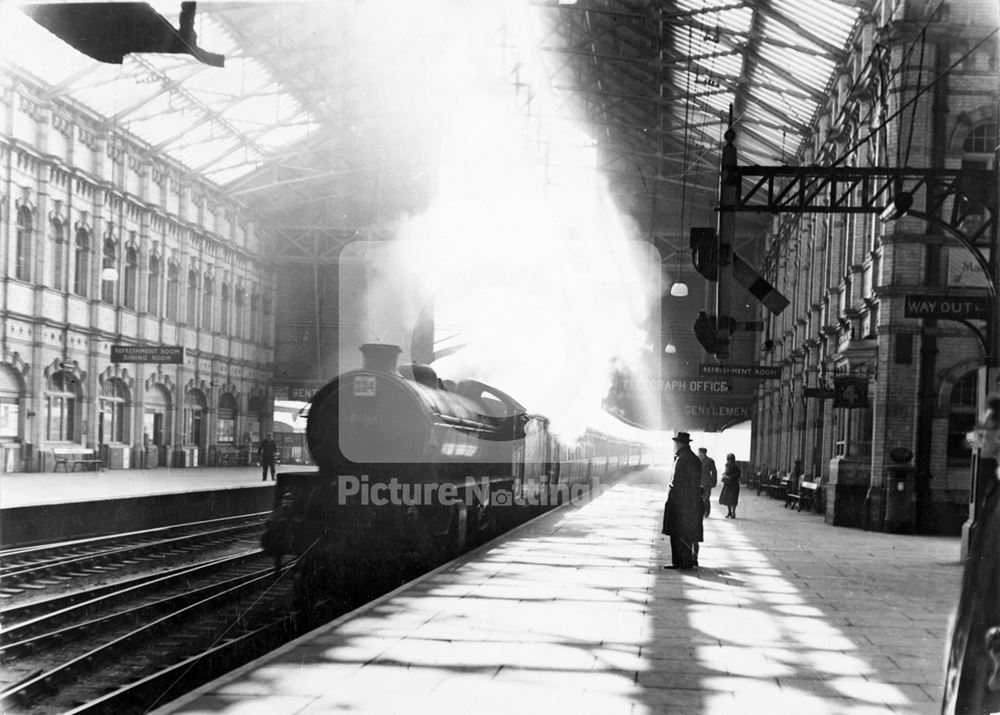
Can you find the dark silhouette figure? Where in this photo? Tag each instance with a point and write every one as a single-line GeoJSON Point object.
{"type": "Point", "coordinates": [683, 514]}
{"type": "Point", "coordinates": [268, 453]}
{"type": "Point", "coordinates": [730, 495]}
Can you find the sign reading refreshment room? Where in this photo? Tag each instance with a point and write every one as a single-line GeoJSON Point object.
{"type": "Point", "coordinates": [148, 353]}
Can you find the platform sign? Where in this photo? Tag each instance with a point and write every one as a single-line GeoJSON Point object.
{"type": "Point", "coordinates": [702, 413]}
{"type": "Point", "coordinates": [296, 391]}
{"type": "Point", "coordinates": [948, 307]}
{"type": "Point", "coordinates": [686, 402]}
{"type": "Point", "coordinates": [823, 393]}
{"type": "Point", "coordinates": [765, 372]}
{"type": "Point", "coordinates": [148, 353]}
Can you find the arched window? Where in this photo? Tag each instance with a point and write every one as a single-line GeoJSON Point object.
{"type": "Point", "coordinates": [255, 316]}
{"type": "Point", "coordinates": [226, 421]}
{"type": "Point", "coordinates": [978, 154]}
{"type": "Point", "coordinates": [194, 413]}
{"type": "Point", "coordinates": [11, 390]}
{"type": "Point", "coordinates": [58, 230]}
{"type": "Point", "coordinates": [153, 287]}
{"type": "Point", "coordinates": [113, 411]}
{"type": "Point", "coordinates": [962, 418]}
{"type": "Point", "coordinates": [62, 399]}
{"type": "Point", "coordinates": [268, 308]}
{"type": "Point", "coordinates": [208, 303]}
{"type": "Point", "coordinates": [156, 420]}
{"type": "Point", "coordinates": [981, 140]}
{"type": "Point", "coordinates": [192, 298]}
{"type": "Point", "coordinates": [224, 314]}
{"type": "Point", "coordinates": [173, 288]}
{"type": "Point", "coordinates": [129, 284]}
{"type": "Point", "coordinates": [22, 261]}
{"type": "Point", "coordinates": [81, 260]}
{"type": "Point", "coordinates": [238, 319]}
{"type": "Point", "coordinates": [108, 261]}
{"type": "Point", "coordinates": [255, 412]}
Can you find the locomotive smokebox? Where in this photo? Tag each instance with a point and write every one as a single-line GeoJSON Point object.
{"type": "Point", "coordinates": [380, 357]}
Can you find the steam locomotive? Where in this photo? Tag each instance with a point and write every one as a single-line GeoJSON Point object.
{"type": "Point", "coordinates": [411, 464]}
{"type": "Point", "coordinates": [972, 669]}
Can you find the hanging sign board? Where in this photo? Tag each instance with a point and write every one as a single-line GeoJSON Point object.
{"type": "Point", "coordinates": [850, 392]}
{"type": "Point", "coordinates": [148, 353]}
{"type": "Point", "coordinates": [822, 393]}
{"type": "Point", "coordinates": [948, 307]}
{"type": "Point", "coordinates": [964, 271]}
{"type": "Point", "coordinates": [757, 371]}
{"type": "Point", "coordinates": [295, 391]}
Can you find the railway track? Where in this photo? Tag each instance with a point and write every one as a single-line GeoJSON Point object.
{"type": "Point", "coordinates": [160, 628]}
{"type": "Point", "coordinates": [124, 648]}
{"type": "Point", "coordinates": [35, 572]}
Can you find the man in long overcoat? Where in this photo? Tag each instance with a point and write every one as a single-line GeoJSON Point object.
{"type": "Point", "coordinates": [683, 514]}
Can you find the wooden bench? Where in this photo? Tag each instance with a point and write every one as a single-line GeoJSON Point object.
{"type": "Point", "coordinates": [87, 459]}
{"type": "Point", "coordinates": [764, 482]}
{"type": "Point", "coordinates": [805, 496]}
{"type": "Point", "coordinates": [778, 489]}
{"type": "Point", "coordinates": [228, 456]}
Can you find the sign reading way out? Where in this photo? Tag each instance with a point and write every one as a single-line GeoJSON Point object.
{"type": "Point", "coordinates": [948, 307]}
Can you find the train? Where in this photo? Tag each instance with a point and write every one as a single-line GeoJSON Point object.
{"type": "Point", "coordinates": [409, 464]}
{"type": "Point", "coordinates": [972, 660]}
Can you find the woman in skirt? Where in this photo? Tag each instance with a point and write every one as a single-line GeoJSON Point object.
{"type": "Point", "coordinates": [730, 495]}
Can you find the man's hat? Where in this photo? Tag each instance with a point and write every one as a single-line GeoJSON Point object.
{"type": "Point", "coordinates": [682, 437]}
{"type": "Point", "coordinates": [703, 449]}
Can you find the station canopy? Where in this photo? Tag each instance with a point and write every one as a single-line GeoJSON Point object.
{"type": "Point", "coordinates": [329, 103]}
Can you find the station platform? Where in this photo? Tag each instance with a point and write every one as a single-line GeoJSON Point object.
{"type": "Point", "coordinates": [573, 613]}
{"type": "Point", "coordinates": [40, 507]}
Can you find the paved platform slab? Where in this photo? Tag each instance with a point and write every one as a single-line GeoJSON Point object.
{"type": "Point", "coordinates": [574, 614]}
{"type": "Point", "coordinates": [19, 489]}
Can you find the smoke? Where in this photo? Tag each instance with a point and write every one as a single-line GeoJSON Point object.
{"type": "Point", "coordinates": [537, 282]}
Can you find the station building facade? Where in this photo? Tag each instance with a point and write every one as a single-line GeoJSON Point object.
{"type": "Point", "coordinates": [919, 90]}
{"type": "Point", "coordinates": [105, 243]}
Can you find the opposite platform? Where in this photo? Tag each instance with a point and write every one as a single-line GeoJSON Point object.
{"type": "Point", "coordinates": [43, 507]}
{"type": "Point", "coordinates": [574, 614]}
{"type": "Point", "coordinates": [34, 488]}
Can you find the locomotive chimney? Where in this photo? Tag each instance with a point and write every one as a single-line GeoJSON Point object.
{"type": "Point", "coordinates": [380, 357]}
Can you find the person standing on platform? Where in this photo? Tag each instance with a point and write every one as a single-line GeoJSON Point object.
{"type": "Point", "coordinates": [730, 495]}
{"type": "Point", "coordinates": [709, 478]}
{"type": "Point", "coordinates": [682, 514]}
{"type": "Point", "coordinates": [268, 453]}
{"type": "Point", "coordinates": [144, 457]}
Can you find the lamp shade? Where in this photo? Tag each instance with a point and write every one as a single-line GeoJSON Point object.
{"type": "Point", "coordinates": [679, 289]}
{"type": "Point", "coordinates": [670, 349]}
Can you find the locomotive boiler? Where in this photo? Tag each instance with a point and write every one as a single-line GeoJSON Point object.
{"type": "Point", "coordinates": [410, 464]}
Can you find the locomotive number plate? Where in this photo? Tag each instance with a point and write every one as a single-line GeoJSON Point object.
{"type": "Point", "coordinates": [364, 386]}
